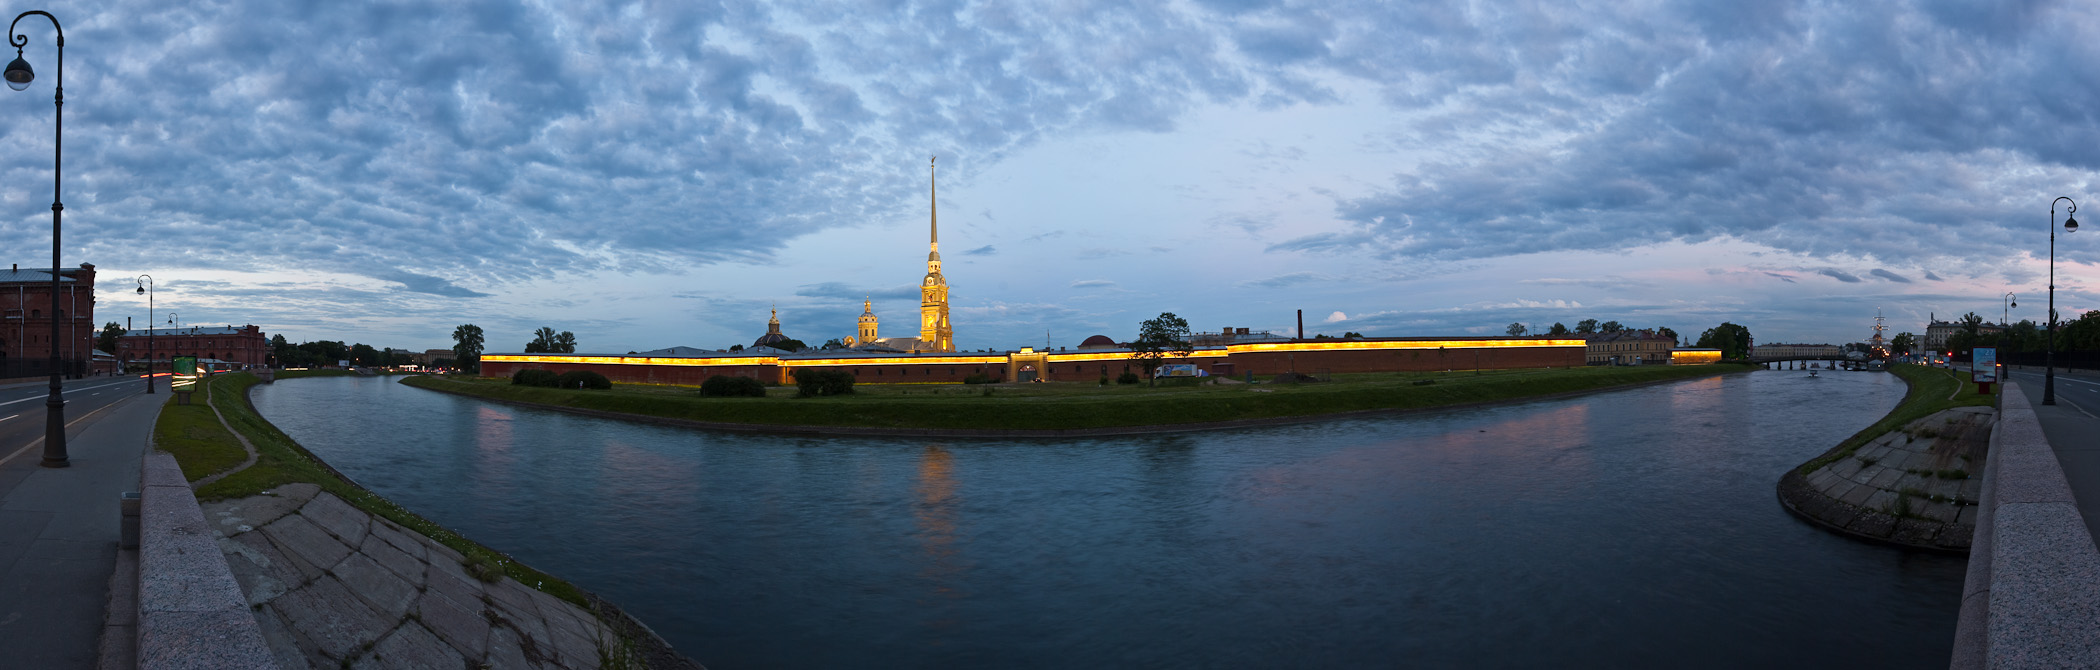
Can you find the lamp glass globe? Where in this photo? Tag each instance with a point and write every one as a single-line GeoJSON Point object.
{"type": "Point", "coordinates": [19, 75]}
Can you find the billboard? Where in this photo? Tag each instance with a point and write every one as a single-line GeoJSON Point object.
{"type": "Point", "coordinates": [1984, 364]}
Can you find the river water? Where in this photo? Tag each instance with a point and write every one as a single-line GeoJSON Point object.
{"type": "Point", "coordinates": [1633, 527]}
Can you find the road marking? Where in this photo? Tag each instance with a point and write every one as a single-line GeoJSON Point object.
{"type": "Point", "coordinates": [39, 441]}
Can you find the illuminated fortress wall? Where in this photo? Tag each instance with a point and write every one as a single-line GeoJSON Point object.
{"type": "Point", "coordinates": [1263, 359]}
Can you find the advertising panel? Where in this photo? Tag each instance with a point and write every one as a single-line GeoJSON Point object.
{"type": "Point", "coordinates": [1985, 366]}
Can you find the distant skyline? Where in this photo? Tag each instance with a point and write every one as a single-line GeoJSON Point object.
{"type": "Point", "coordinates": [657, 174]}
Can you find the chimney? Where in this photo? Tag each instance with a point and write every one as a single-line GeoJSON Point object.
{"type": "Point", "coordinates": [1301, 324]}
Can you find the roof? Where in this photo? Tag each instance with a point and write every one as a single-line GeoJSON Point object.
{"type": "Point", "coordinates": [679, 351]}
{"type": "Point", "coordinates": [33, 276]}
{"type": "Point", "coordinates": [190, 330]}
{"type": "Point", "coordinates": [1098, 341]}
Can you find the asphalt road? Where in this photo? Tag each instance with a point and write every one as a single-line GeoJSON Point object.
{"type": "Point", "coordinates": [22, 411]}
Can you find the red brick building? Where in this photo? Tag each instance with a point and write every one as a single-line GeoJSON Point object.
{"type": "Point", "coordinates": [242, 346]}
{"type": "Point", "coordinates": [26, 316]}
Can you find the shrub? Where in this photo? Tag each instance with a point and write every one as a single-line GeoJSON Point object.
{"type": "Point", "coordinates": [724, 386]}
{"type": "Point", "coordinates": [1128, 378]}
{"type": "Point", "coordinates": [1104, 379]}
{"type": "Point", "coordinates": [822, 382]}
{"type": "Point", "coordinates": [582, 379]}
{"type": "Point", "coordinates": [978, 378]}
{"type": "Point", "coordinates": [534, 378]}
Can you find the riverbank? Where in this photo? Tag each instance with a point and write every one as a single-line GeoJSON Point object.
{"type": "Point", "coordinates": [1064, 409]}
{"type": "Point", "coordinates": [335, 573]}
{"type": "Point", "coordinates": [1911, 479]}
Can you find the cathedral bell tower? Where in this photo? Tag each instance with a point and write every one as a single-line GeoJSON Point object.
{"type": "Point", "coordinates": [867, 322]}
{"type": "Point", "coordinates": [934, 331]}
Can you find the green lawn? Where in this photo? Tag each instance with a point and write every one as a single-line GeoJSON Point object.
{"type": "Point", "coordinates": [1067, 405]}
{"type": "Point", "coordinates": [1931, 391]}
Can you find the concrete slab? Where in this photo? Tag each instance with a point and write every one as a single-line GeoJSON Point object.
{"type": "Point", "coordinates": [234, 517]}
{"type": "Point", "coordinates": [301, 538]}
{"type": "Point", "coordinates": [506, 649]}
{"type": "Point", "coordinates": [280, 640]}
{"type": "Point", "coordinates": [402, 539]}
{"type": "Point", "coordinates": [331, 514]}
{"type": "Point", "coordinates": [325, 616]}
{"type": "Point", "coordinates": [459, 624]}
{"type": "Point", "coordinates": [408, 568]}
{"type": "Point", "coordinates": [466, 592]}
{"type": "Point", "coordinates": [410, 647]}
{"type": "Point", "coordinates": [386, 593]}
{"type": "Point", "coordinates": [262, 574]}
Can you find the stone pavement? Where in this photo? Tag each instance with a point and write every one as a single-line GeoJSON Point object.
{"type": "Point", "coordinates": [333, 587]}
{"type": "Point", "coordinates": [59, 534]}
{"type": "Point", "coordinates": [1892, 489]}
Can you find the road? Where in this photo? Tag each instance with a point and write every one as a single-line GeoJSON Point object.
{"type": "Point", "coordinates": [59, 526]}
{"type": "Point", "coordinates": [22, 414]}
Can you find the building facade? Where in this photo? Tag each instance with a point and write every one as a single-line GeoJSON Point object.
{"type": "Point", "coordinates": [26, 344]}
{"type": "Point", "coordinates": [244, 346]}
{"type": "Point", "coordinates": [1629, 347]}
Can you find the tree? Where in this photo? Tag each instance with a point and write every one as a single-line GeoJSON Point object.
{"type": "Point", "coordinates": [1515, 329]}
{"type": "Point", "coordinates": [364, 354]}
{"type": "Point", "coordinates": [834, 343]}
{"type": "Point", "coordinates": [1158, 337]}
{"type": "Point", "coordinates": [1733, 341]}
{"type": "Point", "coordinates": [1352, 335]}
{"type": "Point", "coordinates": [1904, 343]}
{"type": "Point", "coordinates": [1585, 326]}
{"type": "Point", "coordinates": [546, 341]}
{"type": "Point", "coordinates": [1557, 329]}
{"type": "Point", "coordinates": [107, 341]}
{"type": "Point", "coordinates": [466, 347]}
{"type": "Point", "coordinates": [1611, 327]}
{"type": "Point", "coordinates": [736, 347]}
{"type": "Point", "coordinates": [790, 344]}
{"type": "Point", "coordinates": [1972, 324]}
{"type": "Point", "coordinates": [1666, 332]}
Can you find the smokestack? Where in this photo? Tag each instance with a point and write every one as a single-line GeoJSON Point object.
{"type": "Point", "coordinates": [1301, 324]}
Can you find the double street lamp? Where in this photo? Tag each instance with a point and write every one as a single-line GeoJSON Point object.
{"type": "Point", "coordinates": [18, 76]}
{"type": "Point", "coordinates": [146, 287]}
{"type": "Point", "coordinates": [2070, 226]}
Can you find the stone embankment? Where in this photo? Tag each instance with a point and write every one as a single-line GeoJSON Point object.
{"type": "Point", "coordinates": [1916, 487]}
{"type": "Point", "coordinates": [332, 586]}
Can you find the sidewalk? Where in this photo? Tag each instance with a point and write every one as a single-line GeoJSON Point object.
{"type": "Point", "coordinates": [2074, 435]}
{"type": "Point", "coordinates": [59, 534]}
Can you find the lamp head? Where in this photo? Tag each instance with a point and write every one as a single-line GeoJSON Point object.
{"type": "Point", "coordinates": [2070, 223]}
{"type": "Point", "coordinates": [18, 74]}
{"type": "Point", "coordinates": [2016, 303]}
{"type": "Point", "coordinates": [142, 289]}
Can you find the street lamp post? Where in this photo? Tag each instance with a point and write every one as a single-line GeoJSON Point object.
{"type": "Point", "coordinates": [2070, 226]}
{"type": "Point", "coordinates": [18, 76]}
{"type": "Point", "coordinates": [146, 287]}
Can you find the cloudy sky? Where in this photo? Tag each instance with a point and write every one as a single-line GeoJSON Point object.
{"type": "Point", "coordinates": [661, 173]}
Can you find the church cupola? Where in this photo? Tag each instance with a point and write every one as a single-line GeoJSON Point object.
{"type": "Point", "coordinates": [867, 322]}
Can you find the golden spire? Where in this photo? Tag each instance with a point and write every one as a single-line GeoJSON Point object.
{"type": "Point", "coordinates": [933, 202]}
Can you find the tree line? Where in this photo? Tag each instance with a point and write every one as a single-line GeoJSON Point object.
{"type": "Point", "coordinates": [1584, 327]}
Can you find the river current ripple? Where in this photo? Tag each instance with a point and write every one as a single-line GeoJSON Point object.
{"type": "Point", "coordinates": [1633, 527]}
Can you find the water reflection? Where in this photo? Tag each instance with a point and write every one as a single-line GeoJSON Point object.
{"type": "Point", "coordinates": [1637, 526]}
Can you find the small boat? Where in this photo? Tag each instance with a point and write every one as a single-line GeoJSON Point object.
{"type": "Point", "coordinates": [1812, 374]}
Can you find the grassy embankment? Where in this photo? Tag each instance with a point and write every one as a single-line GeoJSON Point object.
{"type": "Point", "coordinates": [203, 447]}
{"type": "Point", "coordinates": [1931, 390]}
{"type": "Point", "coordinates": [1065, 406]}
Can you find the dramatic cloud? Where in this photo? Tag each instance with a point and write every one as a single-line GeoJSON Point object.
{"type": "Point", "coordinates": [523, 157]}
